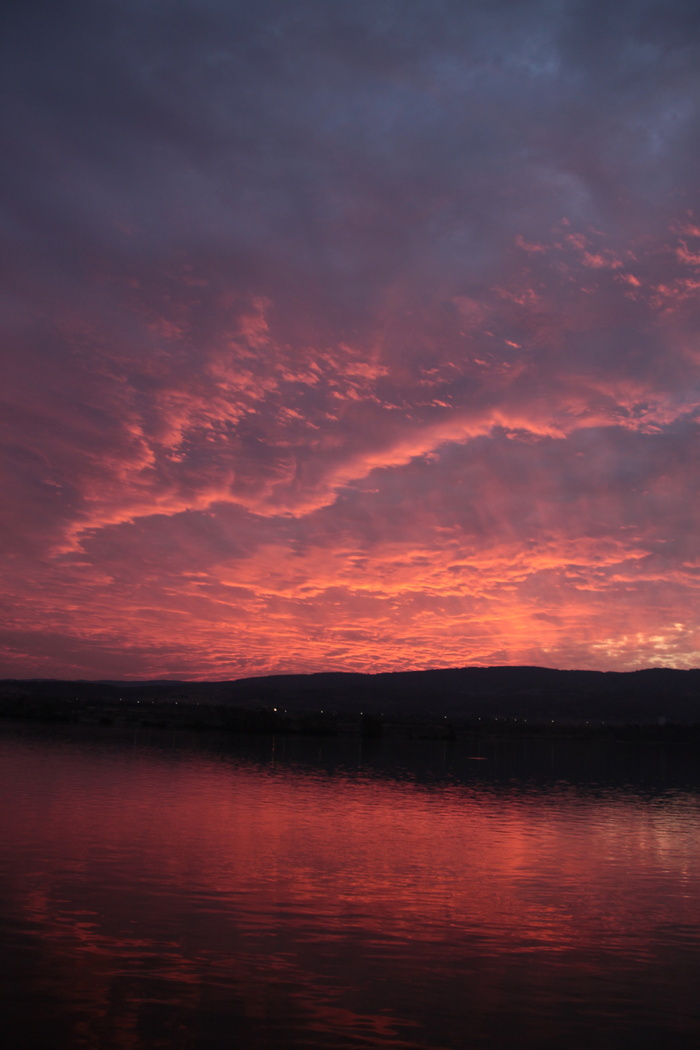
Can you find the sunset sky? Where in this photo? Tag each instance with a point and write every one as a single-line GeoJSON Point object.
{"type": "Point", "coordinates": [349, 335]}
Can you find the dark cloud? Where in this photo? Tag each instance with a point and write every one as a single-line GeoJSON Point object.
{"type": "Point", "coordinates": [327, 323]}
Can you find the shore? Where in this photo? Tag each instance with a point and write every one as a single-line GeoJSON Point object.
{"type": "Point", "coordinates": [161, 714]}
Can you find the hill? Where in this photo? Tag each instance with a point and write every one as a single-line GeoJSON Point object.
{"type": "Point", "coordinates": [534, 693]}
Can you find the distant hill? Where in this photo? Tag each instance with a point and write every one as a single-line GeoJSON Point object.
{"type": "Point", "coordinates": [537, 693]}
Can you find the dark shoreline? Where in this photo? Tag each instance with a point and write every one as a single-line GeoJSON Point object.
{"type": "Point", "coordinates": [234, 720]}
{"type": "Point", "coordinates": [455, 703]}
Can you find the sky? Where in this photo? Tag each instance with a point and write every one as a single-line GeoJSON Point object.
{"type": "Point", "coordinates": [354, 335]}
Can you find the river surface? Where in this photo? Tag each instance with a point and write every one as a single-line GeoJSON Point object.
{"type": "Point", "coordinates": [164, 890]}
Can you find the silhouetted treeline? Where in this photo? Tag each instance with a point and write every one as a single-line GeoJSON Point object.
{"type": "Point", "coordinates": [440, 703]}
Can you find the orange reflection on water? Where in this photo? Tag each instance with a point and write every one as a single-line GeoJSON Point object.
{"type": "Point", "coordinates": [189, 881]}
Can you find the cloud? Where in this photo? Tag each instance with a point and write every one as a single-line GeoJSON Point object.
{"type": "Point", "coordinates": [357, 336]}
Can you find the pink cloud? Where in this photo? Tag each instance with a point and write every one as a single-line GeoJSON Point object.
{"type": "Point", "coordinates": [321, 377]}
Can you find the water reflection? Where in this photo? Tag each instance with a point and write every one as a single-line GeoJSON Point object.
{"type": "Point", "coordinates": [161, 893]}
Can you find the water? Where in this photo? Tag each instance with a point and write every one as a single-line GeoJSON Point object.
{"type": "Point", "coordinates": [165, 891]}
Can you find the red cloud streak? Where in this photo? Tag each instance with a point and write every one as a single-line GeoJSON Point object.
{"type": "Point", "coordinates": [385, 369]}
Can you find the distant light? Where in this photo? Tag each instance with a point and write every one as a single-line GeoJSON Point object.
{"type": "Point", "coordinates": [274, 708]}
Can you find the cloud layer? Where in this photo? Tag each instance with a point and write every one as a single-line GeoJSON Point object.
{"type": "Point", "coordinates": [357, 336]}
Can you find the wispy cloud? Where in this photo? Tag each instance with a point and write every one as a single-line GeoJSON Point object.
{"type": "Point", "coordinates": [353, 335]}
